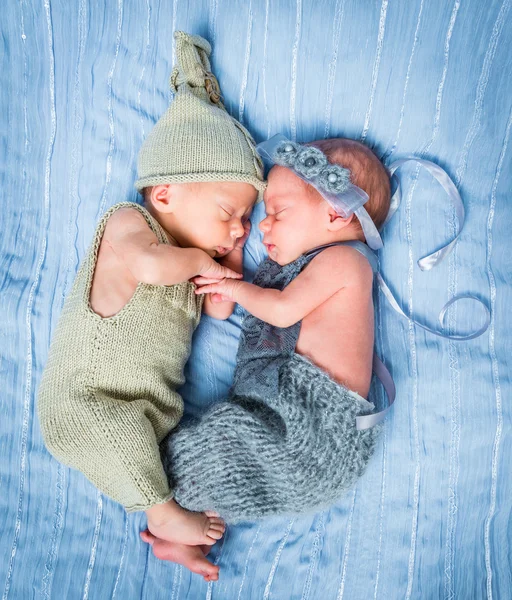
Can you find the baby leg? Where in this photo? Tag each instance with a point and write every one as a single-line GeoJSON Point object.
{"type": "Point", "coordinates": [118, 452]}
{"type": "Point", "coordinates": [293, 453]}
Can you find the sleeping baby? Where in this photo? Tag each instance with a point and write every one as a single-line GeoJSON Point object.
{"type": "Point", "coordinates": [285, 441]}
{"type": "Point", "coordinates": [108, 394]}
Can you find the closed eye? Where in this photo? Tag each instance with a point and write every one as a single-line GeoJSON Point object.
{"type": "Point", "coordinates": [278, 212]}
{"type": "Point", "coordinates": [228, 213]}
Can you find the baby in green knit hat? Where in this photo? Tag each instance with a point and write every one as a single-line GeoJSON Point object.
{"type": "Point", "coordinates": [108, 395]}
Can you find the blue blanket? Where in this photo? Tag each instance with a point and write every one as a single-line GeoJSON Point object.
{"type": "Point", "coordinates": [82, 83]}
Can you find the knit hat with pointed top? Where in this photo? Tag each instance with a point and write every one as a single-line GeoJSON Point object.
{"type": "Point", "coordinates": [196, 139]}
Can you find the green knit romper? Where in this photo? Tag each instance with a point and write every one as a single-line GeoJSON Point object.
{"type": "Point", "coordinates": [108, 392]}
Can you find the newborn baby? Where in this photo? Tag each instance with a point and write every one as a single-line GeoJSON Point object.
{"type": "Point", "coordinates": [108, 395]}
{"type": "Point", "coordinates": [285, 441]}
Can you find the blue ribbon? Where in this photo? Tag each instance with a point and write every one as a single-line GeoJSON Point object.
{"type": "Point", "coordinates": [431, 260]}
{"type": "Point", "coordinates": [425, 264]}
{"type": "Point", "coordinates": [381, 371]}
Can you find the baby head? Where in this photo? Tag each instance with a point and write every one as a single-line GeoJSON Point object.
{"type": "Point", "coordinates": [299, 218]}
{"type": "Point", "coordinates": [198, 168]}
{"type": "Point", "coordinates": [207, 215]}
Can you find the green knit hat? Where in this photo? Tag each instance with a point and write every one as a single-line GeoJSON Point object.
{"type": "Point", "coordinates": [196, 139]}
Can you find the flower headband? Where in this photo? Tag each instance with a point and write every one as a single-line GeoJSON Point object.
{"type": "Point", "coordinates": [331, 181]}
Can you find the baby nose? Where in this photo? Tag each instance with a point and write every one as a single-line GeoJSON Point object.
{"type": "Point", "coordinates": [265, 225]}
{"type": "Point", "coordinates": [237, 230]}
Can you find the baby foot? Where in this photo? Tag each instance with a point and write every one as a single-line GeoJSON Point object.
{"type": "Point", "coordinates": [172, 523]}
{"type": "Point", "coordinates": [191, 557]}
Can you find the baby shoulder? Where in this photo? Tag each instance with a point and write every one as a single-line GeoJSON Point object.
{"type": "Point", "coordinates": [128, 226]}
{"type": "Point", "coordinates": [346, 264]}
{"type": "Point", "coordinates": [126, 219]}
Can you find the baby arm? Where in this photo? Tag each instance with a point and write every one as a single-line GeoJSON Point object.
{"type": "Point", "coordinates": [328, 273]}
{"type": "Point", "coordinates": [154, 263]}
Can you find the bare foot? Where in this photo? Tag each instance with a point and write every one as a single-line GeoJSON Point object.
{"type": "Point", "coordinates": [191, 557]}
{"type": "Point", "coordinates": [172, 523]}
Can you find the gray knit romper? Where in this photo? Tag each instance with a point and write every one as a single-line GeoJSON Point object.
{"type": "Point", "coordinates": [285, 440]}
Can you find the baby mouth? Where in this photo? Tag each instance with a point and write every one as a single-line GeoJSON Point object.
{"type": "Point", "coordinates": [223, 250]}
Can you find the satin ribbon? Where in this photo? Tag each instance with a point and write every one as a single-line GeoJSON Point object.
{"type": "Point", "coordinates": [431, 260]}
{"type": "Point", "coordinates": [425, 264]}
{"type": "Point", "coordinates": [381, 371]}
{"type": "Point", "coordinates": [442, 313]}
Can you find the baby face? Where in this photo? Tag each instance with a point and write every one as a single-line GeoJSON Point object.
{"type": "Point", "coordinates": [294, 222]}
{"type": "Point", "coordinates": [210, 215]}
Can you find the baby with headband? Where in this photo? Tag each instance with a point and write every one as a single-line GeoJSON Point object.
{"type": "Point", "coordinates": [296, 431]}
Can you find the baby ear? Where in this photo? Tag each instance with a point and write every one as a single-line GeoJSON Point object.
{"type": "Point", "coordinates": [337, 222]}
{"type": "Point", "coordinates": [160, 197]}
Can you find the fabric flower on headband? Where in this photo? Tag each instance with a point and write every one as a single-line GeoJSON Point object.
{"type": "Point", "coordinates": [306, 160]}
{"type": "Point", "coordinates": [311, 163]}
{"type": "Point", "coordinates": [286, 154]}
{"type": "Point", "coordinates": [334, 179]}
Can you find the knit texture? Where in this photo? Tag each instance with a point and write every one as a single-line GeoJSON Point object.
{"type": "Point", "coordinates": [285, 441]}
{"type": "Point", "coordinates": [108, 392]}
{"type": "Point", "coordinates": [196, 139]}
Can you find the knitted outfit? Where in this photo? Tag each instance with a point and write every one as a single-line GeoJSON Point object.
{"type": "Point", "coordinates": [108, 393]}
{"type": "Point", "coordinates": [285, 440]}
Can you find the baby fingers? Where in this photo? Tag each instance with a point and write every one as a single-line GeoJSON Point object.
{"type": "Point", "coordinates": [231, 274]}
{"type": "Point", "coordinates": [206, 289]}
{"type": "Point", "coordinates": [148, 537]}
{"type": "Point", "coordinates": [199, 280]}
{"type": "Point", "coordinates": [216, 298]}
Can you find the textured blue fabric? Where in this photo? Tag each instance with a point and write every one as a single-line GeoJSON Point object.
{"type": "Point", "coordinates": [82, 82]}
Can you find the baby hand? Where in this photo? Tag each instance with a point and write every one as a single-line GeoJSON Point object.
{"type": "Point", "coordinates": [214, 271]}
{"type": "Point", "coordinates": [202, 281]}
{"type": "Point", "coordinates": [226, 288]}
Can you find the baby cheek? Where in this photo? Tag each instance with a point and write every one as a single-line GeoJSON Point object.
{"type": "Point", "coordinates": [278, 229]}
{"type": "Point", "coordinates": [228, 229]}
{"type": "Point", "coordinates": [283, 228]}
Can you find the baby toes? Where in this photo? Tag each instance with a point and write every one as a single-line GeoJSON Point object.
{"type": "Point", "coordinates": [215, 534]}
{"type": "Point", "coordinates": [210, 541]}
{"type": "Point", "coordinates": [148, 537]}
